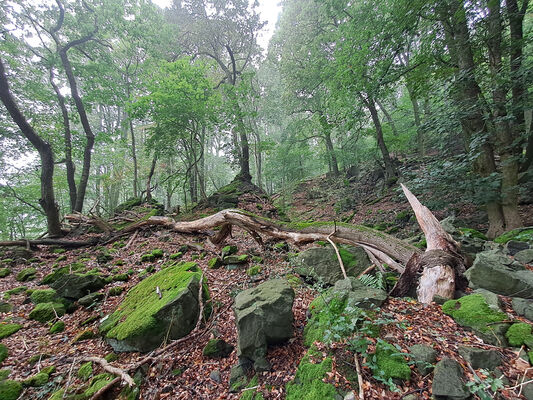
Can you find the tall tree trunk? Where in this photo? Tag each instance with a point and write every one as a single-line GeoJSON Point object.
{"type": "Point", "coordinates": [388, 117]}
{"type": "Point", "coordinates": [71, 180]}
{"type": "Point", "coordinates": [133, 143]}
{"type": "Point", "coordinates": [149, 179]}
{"type": "Point", "coordinates": [332, 157]}
{"type": "Point", "coordinates": [390, 171]}
{"type": "Point", "coordinates": [420, 139]}
{"type": "Point", "coordinates": [47, 200]}
{"type": "Point", "coordinates": [507, 145]}
{"type": "Point", "coordinates": [469, 97]}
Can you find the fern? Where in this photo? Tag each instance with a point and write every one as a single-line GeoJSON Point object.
{"type": "Point", "coordinates": [376, 281]}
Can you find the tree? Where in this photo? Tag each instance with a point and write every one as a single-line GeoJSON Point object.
{"type": "Point", "coordinates": [225, 32]}
{"type": "Point", "coordinates": [47, 200]}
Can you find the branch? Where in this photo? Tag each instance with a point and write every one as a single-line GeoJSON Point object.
{"type": "Point", "coordinates": [113, 370]}
{"type": "Point", "coordinates": [16, 196]}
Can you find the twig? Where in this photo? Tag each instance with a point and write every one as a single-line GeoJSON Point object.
{"type": "Point", "coordinates": [130, 242]}
{"type": "Point", "coordinates": [366, 271]}
{"type": "Point", "coordinates": [104, 389]}
{"type": "Point", "coordinates": [337, 252]}
{"type": "Point", "coordinates": [359, 377]}
{"type": "Point", "coordinates": [69, 378]}
{"type": "Point", "coordinates": [109, 368]}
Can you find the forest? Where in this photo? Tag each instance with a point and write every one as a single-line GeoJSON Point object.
{"type": "Point", "coordinates": [181, 179]}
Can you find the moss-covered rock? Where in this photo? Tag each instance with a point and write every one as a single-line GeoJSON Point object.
{"type": "Point", "coordinates": [519, 334]}
{"type": "Point", "coordinates": [111, 357]}
{"type": "Point", "coordinates": [142, 320]}
{"type": "Point", "coordinates": [294, 280]}
{"type": "Point", "coordinates": [8, 329]}
{"type": "Point", "coordinates": [519, 234]}
{"type": "Point", "coordinates": [44, 312]}
{"type": "Point", "coordinates": [97, 383]}
{"type": "Point", "coordinates": [472, 233]}
{"type": "Point", "coordinates": [37, 380]}
{"type": "Point", "coordinates": [27, 274]}
{"type": "Point", "coordinates": [5, 307]}
{"type": "Point", "coordinates": [4, 272]}
{"type": "Point", "coordinates": [121, 278]}
{"type": "Point", "coordinates": [254, 270]}
{"type": "Point", "coordinates": [3, 352]}
{"type": "Point", "coordinates": [217, 348]}
{"type": "Point", "coordinates": [214, 263]}
{"type": "Point", "coordinates": [308, 383]}
{"type": "Point", "coordinates": [75, 286]}
{"type": "Point", "coordinates": [10, 390]}
{"type": "Point", "coordinates": [4, 374]}
{"type": "Point", "coordinates": [55, 275]}
{"type": "Point", "coordinates": [158, 253]}
{"type": "Point", "coordinates": [391, 363]}
{"type": "Point", "coordinates": [38, 358]}
{"type": "Point", "coordinates": [91, 299]}
{"type": "Point", "coordinates": [229, 250]}
{"type": "Point", "coordinates": [43, 296]}
{"type": "Point", "coordinates": [84, 335]}
{"type": "Point", "coordinates": [234, 259]}
{"type": "Point", "coordinates": [175, 256]}
{"type": "Point", "coordinates": [115, 291]}
{"type": "Point", "coordinates": [148, 257]}
{"type": "Point", "coordinates": [473, 311]}
{"type": "Point", "coordinates": [59, 326]}
{"type": "Point", "coordinates": [85, 371]}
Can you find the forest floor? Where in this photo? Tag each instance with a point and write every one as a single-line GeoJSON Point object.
{"type": "Point", "coordinates": [183, 372]}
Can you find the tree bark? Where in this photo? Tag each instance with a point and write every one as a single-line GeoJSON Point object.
{"type": "Point", "coordinates": [390, 171]}
{"type": "Point", "coordinates": [149, 179]}
{"type": "Point", "coordinates": [47, 200]}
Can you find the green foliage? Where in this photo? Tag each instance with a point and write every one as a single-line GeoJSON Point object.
{"type": "Point", "coordinates": [522, 235]}
{"type": "Point", "coordinates": [254, 270]}
{"type": "Point", "coordinates": [485, 388]}
{"type": "Point", "coordinates": [376, 281]}
{"type": "Point", "coordinates": [390, 362]}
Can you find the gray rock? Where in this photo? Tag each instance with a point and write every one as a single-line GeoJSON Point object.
{"type": "Point", "coordinates": [514, 246]}
{"type": "Point", "coordinates": [472, 246]}
{"type": "Point", "coordinates": [499, 274]}
{"type": "Point", "coordinates": [263, 316]}
{"type": "Point", "coordinates": [527, 391]}
{"type": "Point", "coordinates": [75, 286]}
{"type": "Point", "coordinates": [5, 307]}
{"type": "Point", "coordinates": [349, 396]}
{"type": "Point", "coordinates": [322, 264]}
{"type": "Point", "coordinates": [358, 294]}
{"type": "Point", "coordinates": [523, 307]}
{"type": "Point", "coordinates": [90, 299]}
{"type": "Point", "coordinates": [524, 256]}
{"type": "Point", "coordinates": [492, 299]}
{"type": "Point", "coordinates": [448, 381]}
{"type": "Point", "coordinates": [423, 356]}
{"type": "Point", "coordinates": [237, 377]}
{"type": "Point", "coordinates": [215, 376]}
{"type": "Point", "coordinates": [217, 348]}
{"type": "Point", "coordinates": [480, 358]}
{"type": "Point", "coordinates": [448, 224]}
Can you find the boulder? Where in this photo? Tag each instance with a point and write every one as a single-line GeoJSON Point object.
{"type": "Point", "coordinates": [357, 294]}
{"type": "Point", "coordinates": [496, 272]}
{"type": "Point", "coordinates": [523, 307]}
{"type": "Point", "coordinates": [321, 263]}
{"type": "Point", "coordinates": [44, 312]}
{"type": "Point", "coordinates": [144, 320]}
{"type": "Point", "coordinates": [524, 256]}
{"type": "Point", "coordinates": [91, 299]}
{"type": "Point", "coordinates": [514, 246]}
{"type": "Point", "coordinates": [263, 316]}
{"type": "Point", "coordinates": [424, 356]}
{"type": "Point", "coordinates": [448, 381]}
{"type": "Point", "coordinates": [75, 286]}
{"type": "Point", "coordinates": [217, 348]}
{"type": "Point", "coordinates": [480, 358]}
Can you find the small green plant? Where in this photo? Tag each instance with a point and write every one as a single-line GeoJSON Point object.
{"type": "Point", "coordinates": [485, 388]}
{"type": "Point", "coordinates": [376, 281]}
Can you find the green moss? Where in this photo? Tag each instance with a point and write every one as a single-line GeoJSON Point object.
{"type": "Point", "coordinates": [473, 311]}
{"type": "Point", "coordinates": [58, 250]}
{"type": "Point", "coordinates": [61, 258]}
{"type": "Point", "coordinates": [17, 290]}
{"type": "Point", "coordinates": [518, 334]}
{"type": "Point", "coordinates": [115, 291]}
{"type": "Point", "coordinates": [147, 257]}
{"type": "Point", "coordinates": [520, 234]}
{"type": "Point", "coordinates": [58, 395]}
{"type": "Point", "coordinates": [4, 374]}
{"type": "Point", "coordinates": [229, 250]}
{"type": "Point", "coordinates": [254, 270]}
{"type": "Point", "coordinates": [242, 258]}
{"type": "Point", "coordinates": [8, 329]}
{"type": "Point", "coordinates": [37, 357]}
{"type": "Point", "coordinates": [322, 318]}
{"type": "Point", "coordinates": [85, 371]}
{"type": "Point", "coordinates": [111, 357]}
{"type": "Point", "coordinates": [472, 233]}
{"type": "Point", "coordinates": [84, 335]}
{"type": "Point", "coordinates": [175, 256]}
{"type": "Point", "coordinates": [59, 326]}
{"type": "Point", "coordinates": [54, 276]}
{"type": "Point", "coordinates": [44, 312]}
{"type": "Point", "coordinates": [422, 244]}
{"type": "Point", "coordinates": [251, 394]}
{"type": "Point", "coordinates": [49, 370]}
{"type": "Point", "coordinates": [8, 261]}
{"type": "Point", "coordinates": [3, 352]}
{"type": "Point", "coordinates": [119, 262]}
{"type": "Point", "coordinates": [4, 272]}
{"type": "Point", "coordinates": [121, 277]}
{"type": "Point", "coordinates": [391, 363]}
{"type": "Point", "coordinates": [308, 382]}
{"type": "Point", "coordinates": [135, 313]}
{"type": "Point", "coordinates": [37, 380]}
{"type": "Point", "coordinates": [27, 274]}
{"type": "Point", "coordinates": [157, 253]}
{"type": "Point", "coordinates": [43, 296]}
{"type": "Point", "coordinates": [10, 390]}
{"type": "Point", "coordinates": [214, 263]}
{"type": "Point", "coordinates": [294, 280]}
{"type": "Point", "coordinates": [97, 383]}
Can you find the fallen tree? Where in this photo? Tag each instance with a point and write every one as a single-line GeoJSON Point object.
{"type": "Point", "coordinates": [437, 271]}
